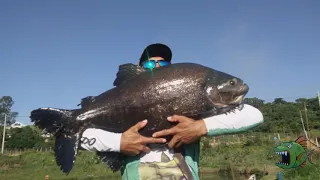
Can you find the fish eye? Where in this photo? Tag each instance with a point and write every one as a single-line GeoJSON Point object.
{"type": "Point", "coordinates": [289, 146]}
{"type": "Point", "coordinates": [232, 82]}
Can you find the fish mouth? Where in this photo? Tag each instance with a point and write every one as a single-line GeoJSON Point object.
{"type": "Point", "coordinates": [285, 157]}
{"type": "Point", "coordinates": [233, 96]}
{"type": "Point", "coordinates": [239, 96]}
{"type": "Point", "coordinates": [234, 100]}
{"type": "Point", "coordinates": [237, 99]}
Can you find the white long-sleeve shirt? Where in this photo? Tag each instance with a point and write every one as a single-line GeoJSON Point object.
{"type": "Point", "coordinates": [230, 123]}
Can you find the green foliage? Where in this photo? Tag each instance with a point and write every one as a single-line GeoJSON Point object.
{"type": "Point", "coordinates": [256, 141]}
{"type": "Point", "coordinates": [6, 103]}
{"type": "Point", "coordinates": [1, 134]}
{"type": "Point", "coordinates": [35, 165]}
{"type": "Point", "coordinates": [255, 102]}
{"type": "Point", "coordinates": [21, 138]}
{"type": "Point", "coordinates": [253, 154]}
{"type": "Point", "coordinates": [24, 138]}
{"type": "Point", "coordinates": [281, 116]}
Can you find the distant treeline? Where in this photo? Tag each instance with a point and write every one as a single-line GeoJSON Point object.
{"type": "Point", "coordinates": [284, 117]}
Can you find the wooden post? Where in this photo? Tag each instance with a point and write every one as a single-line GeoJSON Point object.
{"type": "Point", "coordinates": [305, 111]}
{"type": "Point", "coordinates": [304, 129]}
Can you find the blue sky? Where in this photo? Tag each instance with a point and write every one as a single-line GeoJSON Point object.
{"type": "Point", "coordinates": [53, 53]}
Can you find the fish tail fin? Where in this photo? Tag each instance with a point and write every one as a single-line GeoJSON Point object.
{"type": "Point", "coordinates": [51, 119]}
{"type": "Point", "coordinates": [66, 150]}
{"type": "Point", "coordinates": [66, 131]}
{"type": "Point", "coordinates": [310, 156]}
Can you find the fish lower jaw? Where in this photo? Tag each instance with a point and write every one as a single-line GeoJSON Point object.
{"type": "Point", "coordinates": [286, 164]}
{"type": "Point", "coordinates": [219, 105]}
{"type": "Point", "coordinates": [237, 100]}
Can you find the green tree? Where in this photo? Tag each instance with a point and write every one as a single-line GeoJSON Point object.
{"type": "Point", "coordinates": [6, 104]}
{"type": "Point", "coordinates": [283, 116]}
{"type": "Point", "coordinates": [255, 102]}
{"type": "Point", "coordinates": [1, 134]}
{"type": "Point", "coordinates": [24, 138]}
{"type": "Point", "coordinates": [279, 101]}
{"type": "Point", "coordinates": [301, 100]}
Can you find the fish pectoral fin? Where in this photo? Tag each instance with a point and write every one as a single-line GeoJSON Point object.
{"type": "Point", "coordinates": [209, 113]}
{"type": "Point", "coordinates": [126, 72]}
{"type": "Point", "coordinates": [299, 157]}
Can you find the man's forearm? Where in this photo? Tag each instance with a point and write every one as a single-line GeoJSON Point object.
{"type": "Point", "coordinates": [100, 140]}
{"type": "Point", "coordinates": [234, 122]}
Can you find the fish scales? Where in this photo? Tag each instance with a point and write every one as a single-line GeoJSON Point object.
{"type": "Point", "coordinates": [160, 99]}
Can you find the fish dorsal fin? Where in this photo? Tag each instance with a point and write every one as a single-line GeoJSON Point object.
{"type": "Point", "coordinates": [126, 72]}
{"type": "Point", "coordinates": [302, 141]}
{"type": "Point", "coordinates": [85, 102]}
{"type": "Point", "coordinates": [299, 157]}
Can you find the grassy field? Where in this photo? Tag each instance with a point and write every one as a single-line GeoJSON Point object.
{"type": "Point", "coordinates": [223, 161]}
{"type": "Point", "coordinates": [253, 155]}
{"type": "Point", "coordinates": [35, 165]}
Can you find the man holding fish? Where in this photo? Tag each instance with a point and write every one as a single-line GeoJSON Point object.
{"type": "Point", "coordinates": [144, 162]}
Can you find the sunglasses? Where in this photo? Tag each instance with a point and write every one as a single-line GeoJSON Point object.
{"type": "Point", "coordinates": [150, 64]}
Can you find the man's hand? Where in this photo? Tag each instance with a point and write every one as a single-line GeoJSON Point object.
{"type": "Point", "coordinates": [132, 143]}
{"type": "Point", "coordinates": [185, 132]}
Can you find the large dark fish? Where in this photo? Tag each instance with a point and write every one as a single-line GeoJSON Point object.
{"type": "Point", "coordinates": [185, 89]}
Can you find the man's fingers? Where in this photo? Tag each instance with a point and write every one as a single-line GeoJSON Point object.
{"type": "Point", "coordinates": [177, 118]}
{"type": "Point", "coordinates": [153, 140]}
{"type": "Point", "coordinates": [178, 144]}
{"type": "Point", "coordinates": [172, 119]}
{"type": "Point", "coordinates": [146, 149]}
{"type": "Point", "coordinates": [165, 132]}
{"type": "Point", "coordinates": [139, 125]}
{"type": "Point", "coordinates": [173, 142]}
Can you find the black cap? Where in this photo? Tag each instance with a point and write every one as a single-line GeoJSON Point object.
{"type": "Point", "coordinates": [153, 50]}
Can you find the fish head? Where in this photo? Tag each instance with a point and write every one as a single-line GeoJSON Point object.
{"type": "Point", "coordinates": [291, 153]}
{"type": "Point", "coordinates": [225, 90]}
